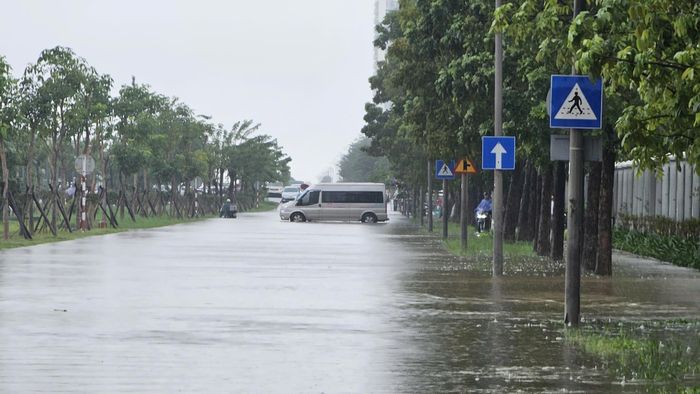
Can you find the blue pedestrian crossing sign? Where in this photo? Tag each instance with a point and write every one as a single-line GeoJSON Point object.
{"type": "Point", "coordinates": [576, 102]}
{"type": "Point", "coordinates": [498, 153]}
{"type": "Point", "coordinates": [445, 169]}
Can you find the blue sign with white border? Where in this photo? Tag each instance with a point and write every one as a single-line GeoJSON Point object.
{"type": "Point", "coordinates": [576, 102]}
{"type": "Point", "coordinates": [498, 153]}
{"type": "Point", "coordinates": [445, 169]}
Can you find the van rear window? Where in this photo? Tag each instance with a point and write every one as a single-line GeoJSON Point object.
{"type": "Point", "coordinates": [353, 197]}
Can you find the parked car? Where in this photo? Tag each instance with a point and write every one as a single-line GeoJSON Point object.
{"type": "Point", "coordinates": [274, 190]}
{"type": "Point", "coordinates": [290, 193]}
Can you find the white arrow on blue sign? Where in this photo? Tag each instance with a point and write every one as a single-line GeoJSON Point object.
{"type": "Point", "coordinates": [576, 102]}
{"type": "Point", "coordinates": [498, 153]}
{"type": "Point", "coordinates": [445, 169]}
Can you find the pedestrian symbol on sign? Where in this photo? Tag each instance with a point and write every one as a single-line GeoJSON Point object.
{"type": "Point", "coordinates": [445, 171]}
{"type": "Point", "coordinates": [580, 109]}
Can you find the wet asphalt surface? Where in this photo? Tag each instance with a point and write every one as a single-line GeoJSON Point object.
{"type": "Point", "coordinates": [263, 306]}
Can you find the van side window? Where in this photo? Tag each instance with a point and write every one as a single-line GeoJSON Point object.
{"type": "Point", "coordinates": [353, 197]}
{"type": "Point", "coordinates": [310, 198]}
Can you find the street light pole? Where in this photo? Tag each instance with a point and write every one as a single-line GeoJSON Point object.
{"type": "Point", "coordinates": [498, 174]}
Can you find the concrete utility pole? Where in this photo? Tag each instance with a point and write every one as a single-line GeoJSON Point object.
{"type": "Point", "coordinates": [430, 197]}
{"type": "Point", "coordinates": [463, 218]}
{"type": "Point", "coordinates": [422, 204]}
{"type": "Point", "coordinates": [445, 207]}
{"type": "Point", "coordinates": [498, 174]}
{"type": "Point", "coordinates": [572, 286]}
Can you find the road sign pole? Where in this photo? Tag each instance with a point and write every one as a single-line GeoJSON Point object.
{"type": "Point", "coordinates": [497, 174]}
{"type": "Point", "coordinates": [445, 207]}
{"type": "Point", "coordinates": [463, 218]}
{"type": "Point", "coordinates": [572, 285]}
{"type": "Point", "coordinates": [430, 196]}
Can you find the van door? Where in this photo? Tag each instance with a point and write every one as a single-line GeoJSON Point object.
{"type": "Point", "coordinates": [332, 205]}
{"type": "Point", "coordinates": [310, 204]}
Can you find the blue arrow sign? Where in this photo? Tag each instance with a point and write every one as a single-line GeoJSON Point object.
{"type": "Point", "coordinates": [445, 169]}
{"type": "Point", "coordinates": [576, 102]}
{"type": "Point", "coordinates": [498, 153]}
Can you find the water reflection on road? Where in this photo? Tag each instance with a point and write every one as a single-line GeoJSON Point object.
{"type": "Point", "coordinates": [259, 305]}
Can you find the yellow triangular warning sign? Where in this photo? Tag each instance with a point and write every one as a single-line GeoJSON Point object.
{"type": "Point", "coordinates": [465, 166]}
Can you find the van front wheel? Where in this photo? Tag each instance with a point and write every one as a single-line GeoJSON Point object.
{"type": "Point", "coordinates": [369, 218]}
{"type": "Point", "coordinates": [297, 217]}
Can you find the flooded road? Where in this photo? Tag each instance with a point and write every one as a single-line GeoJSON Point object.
{"type": "Point", "coordinates": [258, 305]}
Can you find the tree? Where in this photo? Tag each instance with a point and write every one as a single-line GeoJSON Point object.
{"type": "Point", "coordinates": [358, 166]}
{"type": "Point", "coordinates": [8, 108]}
{"type": "Point", "coordinates": [647, 52]}
{"type": "Point", "coordinates": [60, 73]}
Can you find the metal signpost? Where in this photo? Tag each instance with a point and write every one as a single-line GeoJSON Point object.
{"type": "Point", "coordinates": [464, 168]}
{"type": "Point", "coordinates": [577, 103]}
{"type": "Point", "coordinates": [498, 154]}
{"type": "Point", "coordinates": [445, 170]}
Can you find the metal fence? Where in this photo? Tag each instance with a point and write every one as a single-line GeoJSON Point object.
{"type": "Point", "coordinates": [674, 193]}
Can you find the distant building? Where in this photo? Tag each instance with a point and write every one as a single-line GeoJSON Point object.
{"type": "Point", "coordinates": [381, 8]}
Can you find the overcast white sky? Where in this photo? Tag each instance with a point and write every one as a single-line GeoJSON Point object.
{"type": "Point", "coordinates": [298, 67]}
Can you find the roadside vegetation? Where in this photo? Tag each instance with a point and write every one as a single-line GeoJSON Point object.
{"type": "Point", "coordinates": [143, 223]}
{"type": "Point", "coordinates": [661, 238]}
{"type": "Point", "coordinates": [433, 99]}
{"type": "Point", "coordinates": [147, 157]}
{"type": "Point", "coordinates": [663, 356]}
{"type": "Point", "coordinates": [264, 206]}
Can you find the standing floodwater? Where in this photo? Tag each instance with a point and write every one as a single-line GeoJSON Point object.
{"type": "Point", "coordinates": [259, 305]}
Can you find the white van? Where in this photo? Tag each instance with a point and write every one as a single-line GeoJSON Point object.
{"type": "Point", "coordinates": [365, 202]}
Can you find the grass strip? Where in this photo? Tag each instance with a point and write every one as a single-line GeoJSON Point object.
{"type": "Point", "coordinates": [126, 224]}
{"type": "Point", "coordinates": [264, 206]}
{"type": "Point", "coordinates": [663, 354]}
{"type": "Point", "coordinates": [478, 244]}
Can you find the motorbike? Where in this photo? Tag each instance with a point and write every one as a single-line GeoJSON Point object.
{"type": "Point", "coordinates": [483, 220]}
{"type": "Point", "coordinates": [228, 211]}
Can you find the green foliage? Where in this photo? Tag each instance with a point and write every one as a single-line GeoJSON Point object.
{"type": "Point", "coordinates": [687, 229]}
{"type": "Point", "coordinates": [358, 166]}
{"type": "Point", "coordinates": [62, 107]}
{"type": "Point", "coordinates": [7, 99]}
{"type": "Point", "coordinates": [648, 52]}
{"type": "Point", "coordinates": [677, 250]}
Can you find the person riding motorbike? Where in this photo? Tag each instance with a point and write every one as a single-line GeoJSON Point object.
{"type": "Point", "coordinates": [228, 210]}
{"type": "Point", "coordinates": [483, 214]}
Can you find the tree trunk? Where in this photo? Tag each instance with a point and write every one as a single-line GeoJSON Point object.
{"type": "Point", "coordinates": [534, 206]}
{"type": "Point", "coordinates": [526, 195]}
{"type": "Point", "coordinates": [145, 179]}
{"type": "Point", "coordinates": [54, 183]}
{"type": "Point", "coordinates": [220, 186]}
{"type": "Point", "coordinates": [5, 189]}
{"type": "Point", "coordinates": [173, 196]}
{"type": "Point", "coordinates": [515, 189]}
{"type": "Point", "coordinates": [558, 220]}
{"type": "Point", "coordinates": [545, 211]}
{"type": "Point", "coordinates": [590, 221]}
{"type": "Point", "coordinates": [121, 203]}
{"type": "Point", "coordinates": [29, 210]}
{"type": "Point", "coordinates": [604, 261]}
